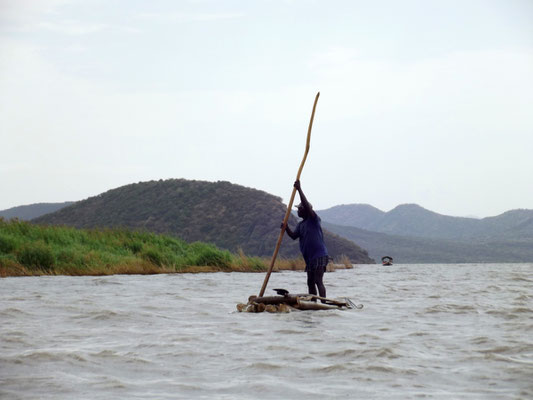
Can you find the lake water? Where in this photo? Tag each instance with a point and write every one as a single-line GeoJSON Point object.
{"type": "Point", "coordinates": [426, 331]}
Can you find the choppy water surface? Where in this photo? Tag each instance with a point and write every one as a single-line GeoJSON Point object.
{"type": "Point", "coordinates": [426, 331]}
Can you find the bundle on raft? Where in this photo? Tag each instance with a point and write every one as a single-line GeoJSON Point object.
{"type": "Point", "coordinates": [285, 302]}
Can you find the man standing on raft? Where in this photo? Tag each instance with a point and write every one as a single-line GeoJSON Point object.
{"type": "Point", "coordinates": [312, 243]}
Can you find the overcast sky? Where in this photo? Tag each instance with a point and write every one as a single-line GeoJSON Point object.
{"type": "Point", "coordinates": [427, 102]}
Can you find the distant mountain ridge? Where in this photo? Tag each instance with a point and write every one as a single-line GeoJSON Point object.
{"type": "Point", "coordinates": [31, 211]}
{"type": "Point", "coordinates": [359, 215]}
{"type": "Point", "coordinates": [411, 249]}
{"type": "Point", "coordinates": [231, 216]}
{"type": "Point", "coordinates": [414, 220]}
{"type": "Point", "coordinates": [412, 234]}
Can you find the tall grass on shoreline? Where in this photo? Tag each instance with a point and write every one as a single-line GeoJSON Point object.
{"type": "Point", "coordinates": [28, 249]}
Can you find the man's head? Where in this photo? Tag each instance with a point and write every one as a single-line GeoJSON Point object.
{"type": "Point", "coordinates": [302, 212]}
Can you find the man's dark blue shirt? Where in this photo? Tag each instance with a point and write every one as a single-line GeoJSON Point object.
{"type": "Point", "coordinates": [311, 237]}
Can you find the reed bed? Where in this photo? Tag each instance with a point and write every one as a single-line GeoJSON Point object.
{"type": "Point", "coordinates": [28, 249]}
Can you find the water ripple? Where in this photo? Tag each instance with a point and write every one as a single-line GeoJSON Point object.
{"type": "Point", "coordinates": [426, 331]}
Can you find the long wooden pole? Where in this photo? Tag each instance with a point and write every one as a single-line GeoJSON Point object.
{"type": "Point", "coordinates": [289, 207]}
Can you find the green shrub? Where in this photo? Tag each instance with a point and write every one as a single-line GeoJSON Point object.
{"type": "Point", "coordinates": [7, 244]}
{"type": "Point", "coordinates": [154, 256]}
{"type": "Point", "coordinates": [8, 264]}
{"type": "Point", "coordinates": [256, 264]}
{"type": "Point", "coordinates": [134, 246]}
{"type": "Point", "coordinates": [6, 259]}
{"type": "Point", "coordinates": [205, 254]}
{"type": "Point", "coordinates": [67, 256]}
{"type": "Point", "coordinates": [36, 255]}
{"type": "Point", "coordinates": [19, 227]}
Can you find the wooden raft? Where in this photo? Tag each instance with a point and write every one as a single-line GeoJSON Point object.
{"type": "Point", "coordinates": [289, 302]}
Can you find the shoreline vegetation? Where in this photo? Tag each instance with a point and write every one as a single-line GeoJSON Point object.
{"type": "Point", "coordinates": [28, 249]}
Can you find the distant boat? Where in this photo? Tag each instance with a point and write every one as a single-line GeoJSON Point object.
{"type": "Point", "coordinates": [386, 260]}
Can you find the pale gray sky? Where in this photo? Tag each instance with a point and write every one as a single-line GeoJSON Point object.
{"type": "Point", "coordinates": [426, 102]}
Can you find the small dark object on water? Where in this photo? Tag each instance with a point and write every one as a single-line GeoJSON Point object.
{"type": "Point", "coordinates": [281, 292]}
{"type": "Point", "coordinates": [386, 260]}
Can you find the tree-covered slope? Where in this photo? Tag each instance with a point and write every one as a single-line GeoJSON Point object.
{"type": "Point", "coordinates": [231, 216]}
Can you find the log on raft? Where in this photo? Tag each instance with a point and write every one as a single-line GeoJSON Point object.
{"type": "Point", "coordinates": [324, 300]}
{"type": "Point", "coordinates": [290, 299]}
{"type": "Point", "coordinates": [261, 307]}
{"type": "Point", "coordinates": [295, 302]}
{"type": "Point", "coordinates": [311, 305]}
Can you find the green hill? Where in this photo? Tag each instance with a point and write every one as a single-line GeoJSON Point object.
{"type": "Point", "coordinates": [230, 216]}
